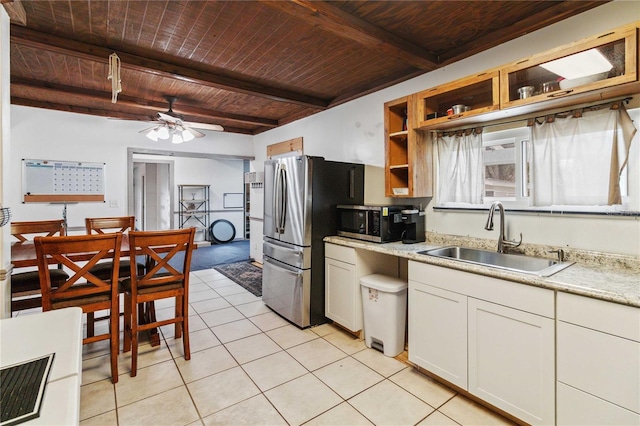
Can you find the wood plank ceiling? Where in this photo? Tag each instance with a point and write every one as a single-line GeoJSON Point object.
{"type": "Point", "coordinates": [249, 66]}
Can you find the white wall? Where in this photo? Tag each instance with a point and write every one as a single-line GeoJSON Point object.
{"type": "Point", "coordinates": [5, 180]}
{"type": "Point", "coordinates": [354, 132]}
{"type": "Point", "coordinates": [54, 135]}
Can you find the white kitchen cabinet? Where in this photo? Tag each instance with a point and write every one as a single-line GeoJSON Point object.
{"type": "Point", "coordinates": [598, 362]}
{"type": "Point", "coordinates": [344, 266]}
{"type": "Point", "coordinates": [438, 331]}
{"type": "Point", "coordinates": [512, 360]}
{"type": "Point", "coordinates": [496, 336]}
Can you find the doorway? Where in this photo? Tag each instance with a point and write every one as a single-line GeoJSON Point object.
{"type": "Point", "coordinates": [138, 189]}
{"type": "Point", "coordinates": [152, 194]}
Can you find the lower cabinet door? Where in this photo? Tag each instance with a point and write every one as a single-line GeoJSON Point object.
{"type": "Point", "coordinates": [512, 361]}
{"type": "Point", "coordinates": [600, 364]}
{"type": "Point", "coordinates": [438, 332]}
{"type": "Point", "coordinates": [343, 302]}
{"type": "Point", "coordinates": [578, 408]}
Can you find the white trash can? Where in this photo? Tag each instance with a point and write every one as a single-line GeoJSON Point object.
{"type": "Point", "coordinates": [384, 307]}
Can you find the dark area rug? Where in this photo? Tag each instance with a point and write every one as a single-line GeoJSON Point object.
{"type": "Point", "coordinates": [245, 274]}
{"type": "Point", "coordinates": [206, 257]}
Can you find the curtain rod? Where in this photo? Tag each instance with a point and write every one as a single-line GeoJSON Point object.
{"type": "Point", "coordinates": [534, 117]}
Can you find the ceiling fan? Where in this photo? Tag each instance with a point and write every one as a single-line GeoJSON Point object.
{"type": "Point", "coordinates": [172, 126]}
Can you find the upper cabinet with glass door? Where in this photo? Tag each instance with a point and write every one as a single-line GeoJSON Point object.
{"type": "Point", "coordinates": [596, 65]}
{"type": "Point", "coordinates": [457, 102]}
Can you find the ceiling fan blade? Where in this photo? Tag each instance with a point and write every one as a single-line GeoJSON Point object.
{"type": "Point", "coordinates": [194, 132]}
{"type": "Point", "coordinates": [205, 126]}
{"type": "Point", "coordinates": [168, 118]}
{"type": "Point", "coordinates": [149, 129]}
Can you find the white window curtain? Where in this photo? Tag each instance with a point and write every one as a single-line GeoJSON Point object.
{"type": "Point", "coordinates": [460, 170]}
{"type": "Point", "coordinates": [578, 161]}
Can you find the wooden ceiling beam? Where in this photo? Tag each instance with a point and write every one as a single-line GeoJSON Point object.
{"type": "Point", "coordinates": [16, 12]}
{"type": "Point", "coordinates": [59, 90]}
{"type": "Point", "coordinates": [16, 100]}
{"type": "Point", "coordinates": [556, 12]}
{"type": "Point", "coordinates": [39, 40]}
{"type": "Point", "coordinates": [330, 18]}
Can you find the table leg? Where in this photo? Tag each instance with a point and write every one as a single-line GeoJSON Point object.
{"type": "Point", "coordinates": [154, 335]}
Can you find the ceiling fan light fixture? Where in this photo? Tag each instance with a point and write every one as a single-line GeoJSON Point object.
{"type": "Point", "coordinates": [172, 127]}
{"type": "Point", "coordinates": [186, 135]}
{"type": "Point", "coordinates": [152, 134]}
{"type": "Point", "coordinates": [163, 132]}
{"type": "Point", "coordinates": [176, 138]}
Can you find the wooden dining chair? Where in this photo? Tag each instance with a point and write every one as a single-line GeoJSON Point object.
{"type": "Point", "coordinates": [104, 225]}
{"type": "Point", "coordinates": [80, 253]}
{"type": "Point", "coordinates": [161, 280]}
{"type": "Point", "coordinates": [25, 286]}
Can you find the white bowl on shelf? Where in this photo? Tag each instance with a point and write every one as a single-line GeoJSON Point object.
{"type": "Point", "coordinates": [581, 81]}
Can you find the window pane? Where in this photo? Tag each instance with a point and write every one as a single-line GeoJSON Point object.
{"type": "Point", "coordinates": [500, 170]}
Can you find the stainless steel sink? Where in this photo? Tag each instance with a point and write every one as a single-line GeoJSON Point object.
{"type": "Point", "coordinates": [512, 262]}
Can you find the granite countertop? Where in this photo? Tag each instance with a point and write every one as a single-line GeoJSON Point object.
{"type": "Point", "coordinates": [601, 282]}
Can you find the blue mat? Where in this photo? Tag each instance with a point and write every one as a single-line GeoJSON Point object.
{"type": "Point", "coordinates": [206, 257]}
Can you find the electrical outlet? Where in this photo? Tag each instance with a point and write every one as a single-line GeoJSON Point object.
{"type": "Point", "coordinates": [114, 204]}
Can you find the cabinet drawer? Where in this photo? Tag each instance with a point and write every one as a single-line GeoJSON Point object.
{"type": "Point", "coordinates": [341, 253]}
{"type": "Point", "coordinates": [536, 300]}
{"type": "Point", "coordinates": [581, 409]}
{"type": "Point", "coordinates": [600, 364]}
{"type": "Point", "coordinates": [608, 317]}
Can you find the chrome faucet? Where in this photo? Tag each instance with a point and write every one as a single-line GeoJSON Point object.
{"type": "Point", "coordinates": [502, 242]}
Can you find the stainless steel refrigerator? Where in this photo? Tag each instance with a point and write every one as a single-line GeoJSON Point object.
{"type": "Point", "coordinates": [300, 199]}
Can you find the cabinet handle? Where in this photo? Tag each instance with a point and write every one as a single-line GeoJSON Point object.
{"type": "Point", "coordinates": [558, 94]}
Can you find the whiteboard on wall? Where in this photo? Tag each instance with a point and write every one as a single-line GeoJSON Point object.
{"type": "Point", "coordinates": [62, 181]}
{"type": "Point", "coordinates": [232, 200]}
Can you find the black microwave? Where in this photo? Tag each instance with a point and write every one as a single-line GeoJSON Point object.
{"type": "Point", "coordinates": [380, 224]}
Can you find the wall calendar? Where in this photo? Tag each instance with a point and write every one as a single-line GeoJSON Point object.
{"type": "Point", "coordinates": [62, 181]}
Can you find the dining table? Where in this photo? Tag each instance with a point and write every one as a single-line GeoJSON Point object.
{"type": "Point", "coordinates": [23, 255]}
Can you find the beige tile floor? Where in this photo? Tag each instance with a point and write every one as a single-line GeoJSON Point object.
{"type": "Point", "coordinates": [250, 367]}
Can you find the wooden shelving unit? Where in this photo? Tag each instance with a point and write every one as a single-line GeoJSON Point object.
{"type": "Point", "coordinates": [407, 155]}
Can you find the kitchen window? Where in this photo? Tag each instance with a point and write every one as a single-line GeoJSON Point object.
{"type": "Point", "coordinates": [506, 165]}
{"type": "Point", "coordinates": [577, 161]}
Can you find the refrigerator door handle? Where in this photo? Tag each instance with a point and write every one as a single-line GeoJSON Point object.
{"type": "Point", "coordinates": [283, 211]}
{"type": "Point", "coordinates": [274, 199]}
{"type": "Point", "coordinates": [289, 271]}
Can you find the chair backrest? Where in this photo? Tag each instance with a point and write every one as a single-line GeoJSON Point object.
{"type": "Point", "coordinates": [103, 225]}
{"type": "Point", "coordinates": [78, 254]}
{"type": "Point", "coordinates": [26, 231]}
{"type": "Point", "coordinates": [161, 247]}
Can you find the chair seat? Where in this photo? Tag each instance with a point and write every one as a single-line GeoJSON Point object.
{"type": "Point", "coordinates": [126, 286]}
{"type": "Point", "coordinates": [25, 282]}
{"type": "Point", "coordinates": [81, 301]}
{"type": "Point", "coordinates": [103, 270]}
